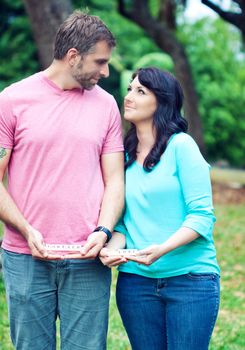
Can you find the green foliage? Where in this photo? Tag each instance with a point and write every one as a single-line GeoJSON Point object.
{"type": "Point", "coordinates": [213, 50]}
{"type": "Point", "coordinates": [18, 55]}
{"type": "Point", "coordinates": [219, 72]}
{"type": "Point", "coordinates": [125, 78]}
{"type": "Point", "coordinates": [157, 59]}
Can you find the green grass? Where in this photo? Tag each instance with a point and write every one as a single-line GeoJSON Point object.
{"type": "Point", "coordinates": [229, 333]}
{"type": "Point", "coordinates": [231, 176]}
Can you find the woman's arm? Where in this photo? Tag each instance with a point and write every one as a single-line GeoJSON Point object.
{"type": "Point", "coordinates": [117, 241]}
{"type": "Point", "coordinates": [150, 254]}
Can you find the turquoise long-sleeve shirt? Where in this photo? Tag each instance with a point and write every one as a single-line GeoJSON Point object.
{"type": "Point", "coordinates": [176, 193]}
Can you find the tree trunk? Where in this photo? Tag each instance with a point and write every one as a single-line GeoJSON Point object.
{"type": "Point", "coordinates": [45, 17]}
{"type": "Point", "coordinates": [165, 39]}
{"type": "Point", "coordinates": [184, 76]}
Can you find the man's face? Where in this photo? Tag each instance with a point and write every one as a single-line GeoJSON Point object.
{"type": "Point", "coordinates": [93, 66]}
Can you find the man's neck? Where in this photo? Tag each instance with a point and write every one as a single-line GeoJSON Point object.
{"type": "Point", "coordinates": [58, 73]}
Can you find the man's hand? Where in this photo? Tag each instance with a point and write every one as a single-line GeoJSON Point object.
{"type": "Point", "coordinates": [35, 242]}
{"type": "Point", "coordinates": [90, 250]}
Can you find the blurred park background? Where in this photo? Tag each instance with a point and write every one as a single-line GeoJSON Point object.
{"type": "Point", "coordinates": [203, 44]}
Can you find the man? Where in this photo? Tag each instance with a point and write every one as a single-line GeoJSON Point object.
{"type": "Point", "coordinates": [60, 139]}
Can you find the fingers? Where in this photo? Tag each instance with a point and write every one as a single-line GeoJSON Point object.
{"type": "Point", "coordinates": [49, 257]}
{"type": "Point", "coordinates": [43, 254]}
{"type": "Point", "coordinates": [112, 262]}
{"type": "Point", "coordinates": [109, 259]}
{"type": "Point", "coordinates": [40, 249]}
{"type": "Point", "coordinates": [141, 259]}
{"type": "Point", "coordinates": [37, 249]}
{"type": "Point", "coordinates": [88, 246]}
{"type": "Point", "coordinates": [89, 252]}
{"type": "Point", "coordinates": [73, 256]}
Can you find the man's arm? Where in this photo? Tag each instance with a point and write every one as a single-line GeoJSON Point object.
{"type": "Point", "coordinates": [11, 215]}
{"type": "Point", "coordinates": [113, 200]}
{"type": "Point", "coordinates": [112, 165]}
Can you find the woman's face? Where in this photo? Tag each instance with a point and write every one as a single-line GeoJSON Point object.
{"type": "Point", "coordinates": [139, 104]}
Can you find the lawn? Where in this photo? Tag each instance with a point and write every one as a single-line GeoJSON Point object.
{"type": "Point", "coordinates": [229, 332]}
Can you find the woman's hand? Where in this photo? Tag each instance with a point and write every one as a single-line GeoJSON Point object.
{"type": "Point", "coordinates": [110, 258]}
{"type": "Point", "coordinates": [148, 255]}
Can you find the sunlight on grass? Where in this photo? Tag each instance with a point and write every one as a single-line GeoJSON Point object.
{"type": "Point", "coordinates": [232, 176]}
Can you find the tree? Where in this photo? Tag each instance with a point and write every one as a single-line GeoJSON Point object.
{"type": "Point", "coordinates": [45, 17]}
{"type": "Point", "coordinates": [220, 83]}
{"type": "Point", "coordinates": [233, 17]}
{"type": "Point", "coordinates": [162, 29]}
{"type": "Point", "coordinates": [18, 54]}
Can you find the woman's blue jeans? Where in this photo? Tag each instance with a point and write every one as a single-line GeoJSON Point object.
{"type": "Point", "coordinates": [175, 313]}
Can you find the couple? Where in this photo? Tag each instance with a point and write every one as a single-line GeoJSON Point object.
{"type": "Point", "coordinates": [60, 139]}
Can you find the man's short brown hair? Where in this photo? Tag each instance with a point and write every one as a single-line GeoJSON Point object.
{"type": "Point", "coordinates": [81, 31]}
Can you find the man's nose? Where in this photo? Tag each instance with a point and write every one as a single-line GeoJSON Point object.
{"type": "Point", "coordinates": [104, 72]}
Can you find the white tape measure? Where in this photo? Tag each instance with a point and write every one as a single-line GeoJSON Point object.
{"type": "Point", "coordinates": [123, 252]}
{"type": "Point", "coordinates": [63, 247]}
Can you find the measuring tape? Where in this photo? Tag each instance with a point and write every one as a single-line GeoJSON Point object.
{"type": "Point", "coordinates": [123, 252]}
{"type": "Point", "coordinates": [63, 247]}
{"type": "Point", "coordinates": [78, 247]}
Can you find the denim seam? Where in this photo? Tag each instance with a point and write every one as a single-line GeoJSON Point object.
{"type": "Point", "coordinates": [214, 317]}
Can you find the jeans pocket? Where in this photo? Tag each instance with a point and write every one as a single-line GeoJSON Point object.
{"type": "Point", "coordinates": [16, 272]}
{"type": "Point", "coordinates": [202, 276]}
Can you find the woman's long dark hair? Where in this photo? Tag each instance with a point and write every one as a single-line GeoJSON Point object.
{"type": "Point", "coordinates": [167, 119]}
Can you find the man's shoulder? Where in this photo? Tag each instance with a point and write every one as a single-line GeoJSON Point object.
{"type": "Point", "coordinates": [23, 84]}
{"type": "Point", "coordinates": [99, 93]}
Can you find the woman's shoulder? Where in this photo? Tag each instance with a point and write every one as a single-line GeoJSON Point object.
{"type": "Point", "coordinates": [184, 145]}
{"type": "Point", "coordinates": [186, 148]}
{"type": "Point", "coordinates": [181, 139]}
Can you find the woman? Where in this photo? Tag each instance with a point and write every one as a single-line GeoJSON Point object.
{"type": "Point", "coordinates": [168, 292]}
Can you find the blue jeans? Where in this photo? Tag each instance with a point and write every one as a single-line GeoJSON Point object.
{"type": "Point", "coordinates": [175, 313]}
{"type": "Point", "coordinates": [76, 291]}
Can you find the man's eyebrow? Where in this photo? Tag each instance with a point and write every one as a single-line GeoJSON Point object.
{"type": "Point", "coordinates": [102, 60]}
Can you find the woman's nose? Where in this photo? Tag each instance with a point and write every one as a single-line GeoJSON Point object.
{"type": "Point", "coordinates": [129, 96]}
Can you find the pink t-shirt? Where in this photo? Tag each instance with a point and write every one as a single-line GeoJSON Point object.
{"type": "Point", "coordinates": [57, 138]}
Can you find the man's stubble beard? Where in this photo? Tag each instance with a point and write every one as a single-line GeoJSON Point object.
{"type": "Point", "coordinates": [83, 79]}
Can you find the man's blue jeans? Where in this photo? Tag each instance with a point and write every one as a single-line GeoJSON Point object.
{"type": "Point", "coordinates": [175, 313]}
{"type": "Point", "coordinates": [76, 291]}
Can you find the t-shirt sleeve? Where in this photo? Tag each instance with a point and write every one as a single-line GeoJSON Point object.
{"type": "Point", "coordinates": [120, 227]}
{"type": "Point", "coordinates": [113, 141]}
{"type": "Point", "coordinates": [195, 182]}
{"type": "Point", "coordinates": [7, 122]}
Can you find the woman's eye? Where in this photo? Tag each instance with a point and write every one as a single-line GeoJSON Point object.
{"type": "Point", "coordinates": [129, 88]}
{"type": "Point", "coordinates": [141, 91]}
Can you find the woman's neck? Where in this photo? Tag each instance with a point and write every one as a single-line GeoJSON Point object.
{"type": "Point", "coordinates": [146, 138]}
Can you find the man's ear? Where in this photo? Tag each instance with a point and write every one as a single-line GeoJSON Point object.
{"type": "Point", "coordinates": [72, 56]}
